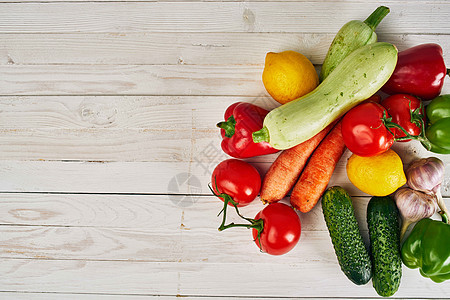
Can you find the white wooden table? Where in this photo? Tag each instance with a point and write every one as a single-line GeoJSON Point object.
{"type": "Point", "coordinates": [106, 107]}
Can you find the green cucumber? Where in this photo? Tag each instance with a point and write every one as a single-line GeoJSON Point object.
{"type": "Point", "coordinates": [348, 243]}
{"type": "Point", "coordinates": [360, 75]}
{"type": "Point", "coordinates": [350, 37]}
{"type": "Point", "coordinates": [384, 232]}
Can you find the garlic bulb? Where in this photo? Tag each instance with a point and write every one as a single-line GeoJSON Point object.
{"type": "Point", "coordinates": [426, 175]}
{"type": "Point", "coordinates": [413, 206]}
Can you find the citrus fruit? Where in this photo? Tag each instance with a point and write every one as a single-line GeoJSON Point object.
{"type": "Point", "coordinates": [378, 175]}
{"type": "Point", "coordinates": [288, 75]}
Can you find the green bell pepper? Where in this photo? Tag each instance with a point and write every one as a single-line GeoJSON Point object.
{"type": "Point", "coordinates": [428, 248]}
{"type": "Point", "coordinates": [438, 129]}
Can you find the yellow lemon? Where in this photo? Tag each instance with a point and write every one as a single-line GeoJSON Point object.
{"type": "Point", "coordinates": [378, 175]}
{"type": "Point", "coordinates": [288, 75]}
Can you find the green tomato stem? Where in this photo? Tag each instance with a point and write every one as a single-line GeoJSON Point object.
{"type": "Point", "coordinates": [416, 118]}
{"type": "Point", "coordinates": [255, 224]}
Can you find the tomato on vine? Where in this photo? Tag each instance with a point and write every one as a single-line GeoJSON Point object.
{"type": "Point", "coordinates": [281, 229]}
{"type": "Point", "coordinates": [363, 130]}
{"type": "Point", "coordinates": [408, 112]}
{"type": "Point", "coordinates": [236, 180]}
{"type": "Point", "coordinates": [368, 130]}
{"type": "Point", "coordinates": [276, 229]}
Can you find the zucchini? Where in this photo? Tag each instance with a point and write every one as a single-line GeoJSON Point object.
{"type": "Point", "coordinates": [384, 233]}
{"type": "Point", "coordinates": [348, 243]}
{"type": "Point", "coordinates": [350, 37]}
{"type": "Point", "coordinates": [360, 75]}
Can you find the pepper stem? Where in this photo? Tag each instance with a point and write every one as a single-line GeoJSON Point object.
{"type": "Point", "coordinates": [261, 135]}
{"type": "Point", "coordinates": [448, 72]}
{"type": "Point", "coordinates": [229, 126]}
{"type": "Point", "coordinates": [376, 17]}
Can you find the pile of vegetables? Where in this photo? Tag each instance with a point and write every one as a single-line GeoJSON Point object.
{"type": "Point", "coordinates": [312, 133]}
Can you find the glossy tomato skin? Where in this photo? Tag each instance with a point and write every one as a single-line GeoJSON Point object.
{"type": "Point", "coordinates": [282, 229]}
{"type": "Point", "coordinates": [364, 132]}
{"type": "Point", "coordinates": [238, 179]}
{"type": "Point", "coordinates": [399, 107]}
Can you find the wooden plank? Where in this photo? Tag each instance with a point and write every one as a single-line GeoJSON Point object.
{"type": "Point", "coordinates": [76, 296]}
{"type": "Point", "coordinates": [161, 80]}
{"type": "Point", "coordinates": [161, 245]}
{"type": "Point", "coordinates": [219, 80]}
{"type": "Point", "coordinates": [151, 229]}
{"type": "Point", "coordinates": [156, 176]}
{"type": "Point", "coordinates": [413, 17]}
{"type": "Point", "coordinates": [305, 279]}
{"type": "Point", "coordinates": [119, 112]}
{"type": "Point", "coordinates": [178, 48]}
{"type": "Point", "coordinates": [151, 213]}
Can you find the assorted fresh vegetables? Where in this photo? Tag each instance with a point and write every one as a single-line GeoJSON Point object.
{"type": "Point", "coordinates": [360, 75]}
{"type": "Point", "coordinates": [314, 131]}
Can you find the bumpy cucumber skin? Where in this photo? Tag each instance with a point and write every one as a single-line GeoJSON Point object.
{"type": "Point", "coordinates": [384, 232]}
{"type": "Point", "coordinates": [350, 37]}
{"type": "Point", "coordinates": [349, 247]}
{"type": "Point", "coordinates": [360, 75]}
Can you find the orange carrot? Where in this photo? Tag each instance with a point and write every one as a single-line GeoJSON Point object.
{"type": "Point", "coordinates": [314, 179]}
{"type": "Point", "coordinates": [284, 171]}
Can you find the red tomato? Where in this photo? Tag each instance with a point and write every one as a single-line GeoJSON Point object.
{"type": "Point", "coordinates": [364, 132]}
{"type": "Point", "coordinates": [400, 107]}
{"type": "Point", "coordinates": [281, 229]}
{"type": "Point", "coordinates": [238, 179]}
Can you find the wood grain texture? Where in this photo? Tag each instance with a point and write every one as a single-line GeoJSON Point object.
{"type": "Point", "coordinates": [178, 48]}
{"type": "Point", "coordinates": [147, 228]}
{"type": "Point", "coordinates": [108, 141]}
{"type": "Point", "coordinates": [296, 279]}
{"type": "Point", "coordinates": [87, 296]}
{"type": "Point", "coordinates": [236, 80]}
{"type": "Point", "coordinates": [155, 176]}
{"type": "Point", "coordinates": [410, 17]}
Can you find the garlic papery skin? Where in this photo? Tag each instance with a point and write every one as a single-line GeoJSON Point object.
{"type": "Point", "coordinates": [425, 175]}
{"type": "Point", "coordinates": [414, 206]}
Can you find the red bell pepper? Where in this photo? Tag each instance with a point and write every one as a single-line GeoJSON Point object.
{"type": "Point", "coordinates": [242, 119]}
{"type": "Point", "coordinates": [420, 71]}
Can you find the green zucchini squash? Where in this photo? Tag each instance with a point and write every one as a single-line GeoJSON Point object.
{"type": "Point", "coordinates": [384, 233]}
{"type": "Point", "coordinates": [350, 37]}
{"type": "Point", "coordinates": [360, 75]}
{"type": "Point", "coordinates": [348, 243]}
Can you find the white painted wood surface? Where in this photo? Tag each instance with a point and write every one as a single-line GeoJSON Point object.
{"type": "Point", "coordinates": [104, 103]}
